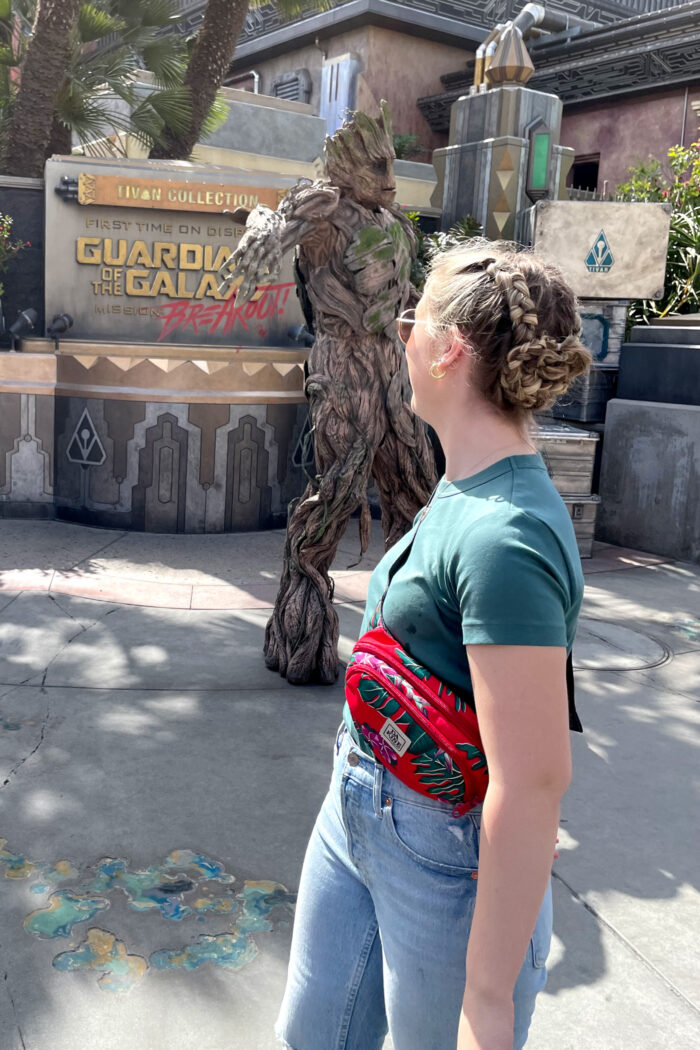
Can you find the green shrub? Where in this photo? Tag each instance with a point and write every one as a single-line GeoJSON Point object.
{"type": "Point", "coordinates": [647, 182]}
{"type": "Point", "coordinates": [9, 246]}
{"type": "Point", "coordinates": [431, 243]}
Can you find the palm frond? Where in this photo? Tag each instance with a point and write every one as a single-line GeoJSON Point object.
{"type": "Point", "coordinates": [167, 63]}
{"type": "Point", "coordinates": [215, 118]}
{"type": "Point", "coordinates": [94, 23]}
{"type": "Point", "coordinates": [173, 107]}
{"type": "Point", "coordinates": [146, 126]}
{"type": "Point", "coordinates": [147, 12]}
{"type": "Point", "coordinates": [105, 67]}
{"type": "Point", "coordinates": [87, 120]}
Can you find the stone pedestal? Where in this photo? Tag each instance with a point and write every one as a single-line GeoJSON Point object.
{"type": "Point", "coordinates": [196, 440]}
{"type": "Point", "coordinates": [487, 168]}
{"type": "Point", "coordinates": [650, 478]}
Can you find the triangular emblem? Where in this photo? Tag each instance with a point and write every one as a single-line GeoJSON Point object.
{"type": "Point", "coordinates": [600, 258]}
{"type": "Point", "coordinates": [85, 446]}
{"type": "Point", "coordinates": [122, 363]}
{"type": "Point", "coordinates": [251, 368]}
{"type": "Point", "coordinates": [284, 368]}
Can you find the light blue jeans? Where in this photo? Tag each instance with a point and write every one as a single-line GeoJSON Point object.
{"type": "Point", "coordinates": [383, 917]}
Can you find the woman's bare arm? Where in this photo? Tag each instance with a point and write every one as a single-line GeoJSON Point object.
{"type": "Point", "coordinates": [521, 701]}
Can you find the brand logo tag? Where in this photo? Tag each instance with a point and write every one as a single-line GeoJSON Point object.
{"type": "Point", "coordinates": [393, 736]}
{"type": "Point", "coordinates": [600, 258]}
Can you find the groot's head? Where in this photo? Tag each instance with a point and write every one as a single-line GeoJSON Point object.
{"type": "Point", "coordinates": [360, 159]}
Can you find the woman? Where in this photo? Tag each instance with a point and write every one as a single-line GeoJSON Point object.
{"type": "Point", "coordinates": [410, 918]}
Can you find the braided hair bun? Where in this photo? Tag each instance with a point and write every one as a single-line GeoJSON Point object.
{"type": "Point", "coordinates": [538, 372]}
{"type": "Point", "coordinates": [520, 316]}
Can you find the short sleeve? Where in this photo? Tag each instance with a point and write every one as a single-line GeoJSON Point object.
{"type": "Point", "coordinates": [510, 587]}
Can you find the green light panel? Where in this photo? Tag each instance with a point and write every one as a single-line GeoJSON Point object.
{"type": "Point", "coordinates": [540, 156]}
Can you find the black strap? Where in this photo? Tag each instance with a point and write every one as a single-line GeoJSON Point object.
{"type": "Point", "coordinates": [574, 720]}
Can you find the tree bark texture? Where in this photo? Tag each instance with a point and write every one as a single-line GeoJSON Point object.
{"type": "Point", "coordinates": [43, 73]}
{"type": "Point", "coordinates": [60, 140]}
{"type": "Point", "coordinates": [209, 62]}
{"type": "Point", "coordinates": [363, 428]}
{"type": "Point", "coordinates": [355, 261]}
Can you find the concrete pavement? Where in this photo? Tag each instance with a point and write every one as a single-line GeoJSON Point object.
{"type": "Point", "coordinates": [158, 785]}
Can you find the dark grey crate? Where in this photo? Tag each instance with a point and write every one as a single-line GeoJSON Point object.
{"type": "Point", "coordinates": [587, 397]}
{"type": "Point", "coordinates": [665, 372]}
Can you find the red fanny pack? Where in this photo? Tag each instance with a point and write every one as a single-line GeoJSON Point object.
{"type": "Point", "coordinates": [415, 726]}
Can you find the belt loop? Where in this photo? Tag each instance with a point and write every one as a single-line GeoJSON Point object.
{"type": "Point", "coordinates": [377, 790]}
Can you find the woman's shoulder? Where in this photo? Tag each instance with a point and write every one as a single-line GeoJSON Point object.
{"type": "Point", "coordinates": [527, 519]}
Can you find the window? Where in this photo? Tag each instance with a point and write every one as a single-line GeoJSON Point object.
{"type": "Point", "coordinates": [584, 173]}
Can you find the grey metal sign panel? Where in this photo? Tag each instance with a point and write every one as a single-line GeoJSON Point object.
{"type": "Point", "coordinates": [136, 272]}
{"type": "Point", "coordinates": [606, 250]}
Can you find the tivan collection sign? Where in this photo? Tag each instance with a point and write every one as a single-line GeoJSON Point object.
{"type": "Point", "coordinates": [117, 191]}
{"type": "Point", "coordinates": [138, 259]}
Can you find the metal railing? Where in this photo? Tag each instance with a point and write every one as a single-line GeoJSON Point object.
{"type": "Point", "coordinates": [575, 194]}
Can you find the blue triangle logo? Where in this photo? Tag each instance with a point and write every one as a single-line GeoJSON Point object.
{"type": "Point", "coordinates": [600, 258]}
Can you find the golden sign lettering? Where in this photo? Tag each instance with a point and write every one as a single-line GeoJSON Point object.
{"type": "Point", "coordinates": [121, 191]}
{"type": "Point", "coordinates": [159, 268]}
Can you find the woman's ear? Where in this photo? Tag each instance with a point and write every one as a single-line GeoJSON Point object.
{"type": "Point", "coordinates": [455, 349]}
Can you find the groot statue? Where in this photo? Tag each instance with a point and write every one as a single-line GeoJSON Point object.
{"type": "Point", "coordinates": [354, 250]}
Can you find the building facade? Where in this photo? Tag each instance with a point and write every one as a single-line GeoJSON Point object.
{"type": "Point", "coordinates": [628, 71]}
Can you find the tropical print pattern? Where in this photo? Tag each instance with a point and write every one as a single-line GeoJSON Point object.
{"type": "Point", "coordinates": [384, 683]}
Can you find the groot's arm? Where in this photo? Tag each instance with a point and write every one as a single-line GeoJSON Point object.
{"type": "Point", "coordinates": [410, 231]}
{"type": "Point", "coordinates": [269, 234]}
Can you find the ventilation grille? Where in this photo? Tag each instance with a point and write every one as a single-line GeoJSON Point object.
{"type": "Point", "coordinates": [294, 87]}
{"type": "Point", "coordinates": [289, 89]}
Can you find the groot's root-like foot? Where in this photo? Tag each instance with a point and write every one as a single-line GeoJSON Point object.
{"type": "Point", "coordinates": [301, 638]}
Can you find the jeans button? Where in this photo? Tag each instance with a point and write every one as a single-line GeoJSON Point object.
{"type": "Point", "coordinates": [353, 759]}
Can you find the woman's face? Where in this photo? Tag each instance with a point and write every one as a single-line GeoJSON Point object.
{"type": "Point", "coordinates": [422, 350]}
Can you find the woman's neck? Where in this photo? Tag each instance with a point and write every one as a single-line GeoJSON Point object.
{"type": "Point", "coordinates": [484, 439]}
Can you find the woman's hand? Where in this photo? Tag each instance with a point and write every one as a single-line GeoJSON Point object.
{"type": "Point", "coordinates": [485, 1025]}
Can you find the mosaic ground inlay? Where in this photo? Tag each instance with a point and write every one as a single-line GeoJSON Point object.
{"type": "Point", "coordinates": [185, 886]}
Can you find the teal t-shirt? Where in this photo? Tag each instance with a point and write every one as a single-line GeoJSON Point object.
{"type": "Point", "coordinates": [494, 561]}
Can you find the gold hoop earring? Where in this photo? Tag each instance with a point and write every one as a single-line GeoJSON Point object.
{"type": "Point", "coordinates": [435, 373]}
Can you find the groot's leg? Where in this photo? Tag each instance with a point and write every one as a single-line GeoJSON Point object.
{"type": "Point", "coordinates": [302, 635]}
{"type": "Point", "coordinates": [404, 466]}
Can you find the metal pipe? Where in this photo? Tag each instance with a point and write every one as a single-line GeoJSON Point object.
{"type": "Point", "coordinates": [479, 65]}
{"type": "Point", "coordinates": [536, 15]}
{"type": "Point", "coordinates": [489, 53]}
{"type": "Point", "coordinates": [685, 114]}
{"type": "Point", "coordinates": [244, 76]}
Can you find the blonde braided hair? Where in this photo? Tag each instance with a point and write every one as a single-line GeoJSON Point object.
{"type": "Point", "coordinates": [519, 315]}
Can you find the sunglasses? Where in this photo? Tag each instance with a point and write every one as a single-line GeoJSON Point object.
{"type": "Point", "coordinates": [405, 325]}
